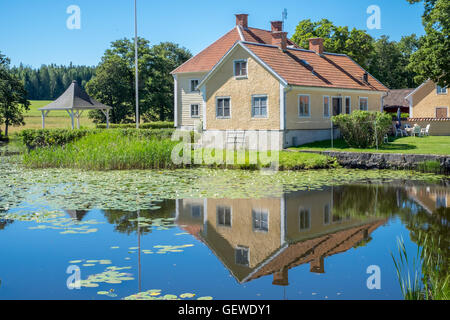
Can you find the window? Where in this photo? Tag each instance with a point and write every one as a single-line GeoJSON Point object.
{"type": "Point", "coordinates": [194, 111]}
{"type": "Point", "coordinates": [441, 112]}
{"type": "Point", "coordinates": [240, 68]}
{"type": "Point", "coordinates": [441, 202]}
{"type": "Point", "coordinates": [241, 255]}
{"type": "Point", "coordinates": [441, 90]}
{"type": "Point", "coordinates": [224, 216]}
{"type": "Point", "coordinates": [305, 219]}
{"type": "Point", "coordinates": [364, 104]}
{"type": "Point", "coordinates": [196, 211]}
{"type": "Point", "coordinates": [259, 106]}
{"type": "Point", "coordinates": [303, 106]}
{"type": "Point", "coordinates": [348, 105]}
{"type": "Point", "coordinates": [260, 220]}
{"type": "Point", "coordinates": [326, 107]}
{"type": "Point", "coordinates": [194, 84]}
{"type": "Point", "coordinates": [223, 108]}
{"type": "Point", "coordinates": [326, 214]}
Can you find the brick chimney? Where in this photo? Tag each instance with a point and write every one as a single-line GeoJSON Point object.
{"type": "Point", "coordinates": [316, 44]}
{"type": "Point", "coordinates": [276, 26]}
{"type": "Point", "coordinates": [242, 20]}
{"type": "Point", "coordinates": [279, 39]}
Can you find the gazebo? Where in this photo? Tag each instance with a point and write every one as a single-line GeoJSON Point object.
{"type": "Point", "coordinates": [75, 100]}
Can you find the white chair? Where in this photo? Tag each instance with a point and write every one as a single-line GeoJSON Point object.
{"type": "Point", "coordinates": [417, 131]}
{"type": "Point", "coordinates": [425, 131]}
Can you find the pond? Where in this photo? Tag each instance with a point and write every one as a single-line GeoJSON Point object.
{"type": "Point", "coordinates": [211, 234]}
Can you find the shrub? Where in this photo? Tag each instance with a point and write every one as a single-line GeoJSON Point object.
{"type": "Point", "coordinates": [358, 128]}
{"type": "Point", "coordinates": [40, 138]}
{"type": "Point", "coordinates": [148, 125]}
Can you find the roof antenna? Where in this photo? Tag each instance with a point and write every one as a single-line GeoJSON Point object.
{"type": "Point", "coordinates": [284, 15]}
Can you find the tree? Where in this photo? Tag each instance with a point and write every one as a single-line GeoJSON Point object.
{"type": "Point", "coordinates": [389, 60]}
{"type": "Point", "coordinates": [357, 44]}
{"type": "Point", "coordinates": [432, 59]}
{"type": "Point", "coordinates": [155, 82]}
{"type": "Point", "coordinates": [13, 100]}
{"type": "Point", "coordinates": [112, 86]}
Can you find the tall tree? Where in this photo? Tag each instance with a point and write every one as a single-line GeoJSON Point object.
{"type": "Point", "coordinates": [155, 81]}
{"type": "Point", "coordinates": [432, 59]}
{"type": "Point", "coordinates": [13, 102]}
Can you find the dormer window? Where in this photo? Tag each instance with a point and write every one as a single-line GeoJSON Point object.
{"type": "Point", "coordinates": [194, 84]}
{"type": "Point", "coordinates": [441, 90]}
{"type": "Point", "coordinates": [240, 68]}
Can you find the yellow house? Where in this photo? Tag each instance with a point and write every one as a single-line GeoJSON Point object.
{"type": "Point", "coordinates": [253, 80]}
{"type": "Point", "coordinates": [429, 100]}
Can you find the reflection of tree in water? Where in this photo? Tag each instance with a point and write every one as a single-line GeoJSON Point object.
{"type": "Point", "coordinates": [121, 219]}
{"type": "Point", "coordinates": [428, 228]}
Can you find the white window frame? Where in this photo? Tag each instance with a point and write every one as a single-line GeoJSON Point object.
{"type": "Point", "coordinates": [309, 105]}
{"type": "Point", "coordinates": [198, 110]}
{"type": "Point", "coordinates": [363, 98]}
{"type": "Point", "coordinates": [260, 211]}
{"type": "Point", "coordinates": [240, 247]}
{"type": "Point", "coordinates": [442, 88]}
{"type": "Point", "coordinates": [231, 216]}
{"type": "Point", "coordinates": [190, 85]}
{"type": "Point", "coordinates": [323, 106]}
{"type": "Point", "coordinates": [217, 107]}
{"type": "Point", "coordinates": [300, 209]}
{"type": "Point", "coordinates": [440, 107]}
{"type": "Point", "coordinates": [196, 206]}
{"type": "Point", "coordinates": [246, 69]}
{"type": "Point", "coordinates": [350, 106]}
{"type": "Point", "coordinates": [267, 106]}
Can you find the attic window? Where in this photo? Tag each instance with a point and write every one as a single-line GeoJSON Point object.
{"type": "Point", "coordinates": [240, 68]}
{"type": "Point", "coordinates": [194, 84]}
{"type": "Point", "coordinates": [441, 90]}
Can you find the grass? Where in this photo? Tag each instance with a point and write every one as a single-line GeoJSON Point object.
{"type": "Point", "coordinates": [439, 145]}
{"type": "Point", "coordinates": [54, 119]}
{"type": "Point", "coordinates": [113, 150]}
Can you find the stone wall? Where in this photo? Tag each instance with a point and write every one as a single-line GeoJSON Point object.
{"type": "Point", "coordinates": [363, 160]}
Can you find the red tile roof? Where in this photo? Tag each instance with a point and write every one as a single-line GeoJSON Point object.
{"type": "Point", "coordinates": [206, 59]}
{"type": "Point", "coordinates": [306, 68]}
{"type": "Point", "coordinates": [296, 66]}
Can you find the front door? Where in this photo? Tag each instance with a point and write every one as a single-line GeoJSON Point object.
{"type": "Point", "coordinates": [337, 105]}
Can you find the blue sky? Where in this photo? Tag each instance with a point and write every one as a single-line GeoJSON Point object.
{"type": "Point", "coordinates": [35, 32]}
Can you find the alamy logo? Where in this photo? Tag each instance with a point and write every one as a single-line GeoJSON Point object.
{"type": "Point", "coordinates": [374, 281]}
{"type": "Point", "coordinates": [374, 20]}
{"type": "Point", "coordinates": [74, 20]}
{"type": "Point", "coordinates": [74, 280]}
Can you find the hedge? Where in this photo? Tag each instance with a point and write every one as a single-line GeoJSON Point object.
{"type": "Point", "coordinates": [148, 125]}
{"type": "Point", "coordinates": [363, 129]}
{"type": "Point", "coordinates": [41, 138]}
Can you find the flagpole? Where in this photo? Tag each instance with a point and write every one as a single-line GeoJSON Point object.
{"type": "Point", "coordinates": [136, 63]}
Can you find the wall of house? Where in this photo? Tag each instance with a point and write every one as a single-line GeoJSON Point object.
{"type": "Point", "coordinates": [186, 98]}
{"type": "Point", "coordinates": [316, 120]}
{"type": "Point", "coordinates": [258, 82]}
{"type": "Point", "coordinates": [425, 100]}
{"type": "Point", "coordinates": [241, 233]}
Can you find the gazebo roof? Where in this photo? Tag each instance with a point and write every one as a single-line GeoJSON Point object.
{"type": "Point", "coordinates": [75, 98]}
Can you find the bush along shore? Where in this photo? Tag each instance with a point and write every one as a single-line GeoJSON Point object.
{"type": "Point", "coordinates": [126, 149]}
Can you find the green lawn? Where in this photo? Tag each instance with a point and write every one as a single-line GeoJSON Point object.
{"type": "Point", "coordinates": [416, 145]}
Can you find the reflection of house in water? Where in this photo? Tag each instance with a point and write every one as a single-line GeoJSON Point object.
{"type": "Point", "coordinates": [258, 237]}
{"type": "Point", "coordinates": [76, 214]}
{"type": "Point", "coordinates": [430, 197]}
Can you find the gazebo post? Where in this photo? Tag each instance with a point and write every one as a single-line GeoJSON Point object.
{"type": "Point", "coordinates": [43, 119]}
{"type": "Point", "coordinates": [107, 118]}
{"type": "Point", "coordinates": [70, 112]}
